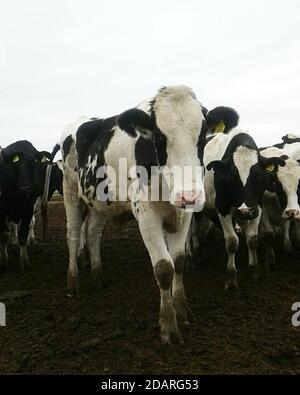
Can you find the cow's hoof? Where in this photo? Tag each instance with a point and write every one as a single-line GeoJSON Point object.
{"type": "Point", "coordinates": [24, 263]}
{"type": "Point", "coordinates": [231, 285]}
{"type": "Point", "coordinates": [96, 281]}
{"type": "Point", "coordinates": [173, 337]}
{"type": "Point", "coordinates": [270, 265]}
{"type": "Point", "coordinates": [287, 247]}
{"type": "Point", "coordinates": [254, 272]}
{"type": "Point", "coordinates": [73, 285]}
{"type": "Point", "coordinates": [182, 313]}
{"type": "Point", "coordinates": [169, 331]}
{"type": "Point", "coordinates": [182, 308]}
{"type": "Point", "coordinates": [265, 267]}
{"type": "Point", "coordinates": [231, 282]}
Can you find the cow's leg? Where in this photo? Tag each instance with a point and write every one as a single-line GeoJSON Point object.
{"type": "Point", "coordinates": [268, 236]}
{"type": "Point", "coordinates": [176, 245]}
{"type": "Point", "coordinates": [297, 233]}
{"type": "Point", "coordinates": [73, 214]}
{"type": "Point", "coordinates": [287, 244]}
{"type": "Point", "coordinates": [83, 257]}
{"type": "Point", "coordinates": [151, 228]}
{"type": "Point", "coordinates": [3, 250]}
{"type": "Point", "coordinates": [251, 231]}
{"type": "Point", "coordinates": [189, 247]}
{"type": "Point", "coordinates": [23, 237]}
{"type": "Point", "coordinates": [95, 225]}
{"type": "Point", "coordinates": [13, 233]}
{"type": "Point", "coordinates": [232, 245]}
{"type": "Point", "coordinates": [31, 236]}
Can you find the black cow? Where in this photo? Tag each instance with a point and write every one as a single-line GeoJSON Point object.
{"type": "Point", "coordinates": [21, 182]}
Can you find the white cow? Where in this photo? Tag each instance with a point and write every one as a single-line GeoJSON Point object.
{"type": "Point", "coordinates": [162, 133]}
{"type": "Point", "coordinates": [280, 201]}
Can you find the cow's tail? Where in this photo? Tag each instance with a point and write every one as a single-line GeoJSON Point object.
{"type": "Point", "coordinates": [44, 204]}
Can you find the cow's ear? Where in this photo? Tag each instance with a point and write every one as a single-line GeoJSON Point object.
{"type": "Point", "coordinates": [271, 164]}
{"type": "Point", "coordinates": [284, 157]}
{"type": "Point", "coordinates": [218, 165]}
{"type": "Point", "coordinates": [136, 121]}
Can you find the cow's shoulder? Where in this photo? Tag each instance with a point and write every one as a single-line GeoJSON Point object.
{"type": "Point", "coordinates": [93, 137]}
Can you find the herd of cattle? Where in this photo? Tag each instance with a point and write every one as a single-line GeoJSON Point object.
{"type": "Point", "coordinates": [242, 188]}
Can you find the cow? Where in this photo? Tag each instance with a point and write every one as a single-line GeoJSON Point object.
{"type": "Point", "coordinates": [21, 182]}
{"type": "Point", "coordinates": [234, 183]}
{"type": "Point", "coordinates": [280, 201]}
{"type": "Point", "coordinates": [162, 134]}
{"type": "Point", "coordinates": [55, 184]}
{"type": "Point", "coordinates": [287, 139]}
{"type": "Point", "coordinates": [291, 148]}
{"type": "Point", "coordinates": [219, 120]}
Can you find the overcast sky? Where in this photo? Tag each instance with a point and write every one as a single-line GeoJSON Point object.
{"type": "Point", "coordinates": [61, 59]}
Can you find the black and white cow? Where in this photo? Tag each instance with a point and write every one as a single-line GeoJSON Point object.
{"type": "Point", "coordinates": [235, 182]}
{"type": "Point", "coordinates": [41, 207]}
{"type": "Point", "coordinates": [162, 133]}
{"type": "Point", "coordinates": [219, 120]}
{"type": "Point", "coordinates": [280, 201]}
{"type": "Point", "coordinates": [21, 182]}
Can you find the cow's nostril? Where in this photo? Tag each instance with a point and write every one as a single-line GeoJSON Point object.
{"type": "Point", "coordinates": [245, 211]}
{"type": "Point", "coordinates": [292, 213]}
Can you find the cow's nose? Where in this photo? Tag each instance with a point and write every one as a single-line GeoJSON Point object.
{"type": "Point", "coordinates": [186, 199]}
{"type": "Point", "coordinates": [189, 197]}
{"type": "Point", "coordinates": [247, 212]}
{"type": "Point", "coordinates": [291, 213]}
{"type": "Point", "coordinates": [244, 211]}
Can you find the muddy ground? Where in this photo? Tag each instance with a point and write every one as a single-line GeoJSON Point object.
{"type": "Point", "coordinates": [114, 329]}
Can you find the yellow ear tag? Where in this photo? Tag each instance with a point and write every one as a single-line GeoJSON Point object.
{"type": "Point", "coordinates": [16, 159]}
{"type": "Point", "coordinates": [220, 127]}
{"type": "Point", "coordinates": [44, 159]}
{"type": "Point", "coordinates": [270, 168]}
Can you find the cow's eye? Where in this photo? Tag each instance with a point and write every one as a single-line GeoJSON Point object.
{"type": "Point", "coordinates": [15, 159]}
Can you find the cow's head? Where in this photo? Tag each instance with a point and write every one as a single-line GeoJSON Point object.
{"type": "Point", "coordinates": [56, 179]}
{"type": "Point", "coordinates": [221, 119]}
{"type": "Point", "coordinates": [286, 181]}
{"type": "Point", "coordinates": [22, 168]}
{"type": "Point", "coordinates": [173, 122]}
{"type": "Point", "coordinates": [241, 180]}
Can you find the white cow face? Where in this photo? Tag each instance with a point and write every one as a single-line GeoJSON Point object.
{"type": "Point", "coordinates": [179, 117]}
{"type": "Point", "coordinates": [288, 182]}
